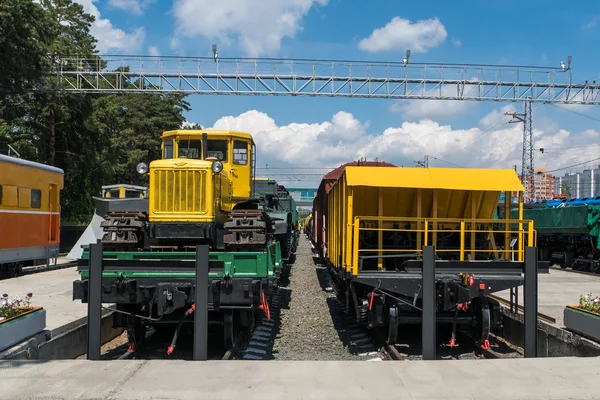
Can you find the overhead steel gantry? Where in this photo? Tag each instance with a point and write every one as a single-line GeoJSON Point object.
{"type": "Point", "coordinates": [293, 174]}
{"type": "Point", "coordinates": [321, 78]}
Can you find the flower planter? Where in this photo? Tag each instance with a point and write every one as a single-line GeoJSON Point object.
{"type": "Point", "coordinates": [581, 321]}
{"type": "Point", "coordinates": [16, 329]}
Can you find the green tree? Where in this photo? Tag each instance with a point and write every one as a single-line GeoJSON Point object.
{"type": "Point", "coordinates": [192, 126]}
{"type": "Point", "coordinates": [129, 127]}
{"type": "Point", "coordinates": [26, 33]}
{"type": "Point", "coordinates": [565, 189]}
{"type": "Point", "coordinates": [50, 126]}
{"type": "Point", "coordinates": [95, 139]}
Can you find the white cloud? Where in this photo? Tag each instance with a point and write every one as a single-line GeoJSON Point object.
{"type": "Point", "coordinates": [109, 37]}
{"type": "Point", "coordinates": [414, 109]}
{"type": "Point", "coordinates": [592, 23]}
{"type": "Point", "coordinates": [258, 25]}
{"type": "Point", "coordinates": [153, 51]}
{"type": "Point", "coordinates": [401, 34]}
{"type": "Point", "coordinates": [344, 138]}
{"type": "Point", "coordinates": [134, 6]}
{"type": "Point", "coordinates": [456, 42]}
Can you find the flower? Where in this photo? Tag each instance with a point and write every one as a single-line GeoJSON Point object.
{"type": "Point", "coordinates": [5, 295]}
{"type": "Point", "coordinates": [29, 295]}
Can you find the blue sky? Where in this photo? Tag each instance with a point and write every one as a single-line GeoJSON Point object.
{"type": "Point", "coordinates": [540, 33]}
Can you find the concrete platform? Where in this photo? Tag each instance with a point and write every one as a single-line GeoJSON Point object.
{"type": "Point", "coordinates": [558, 378]}
{"type": "Point", "coordinates": [557, 289]}
{"type": "Point", "coordinates": [66, 320]}
{"type": "Point", "coordinates": [52, 290]}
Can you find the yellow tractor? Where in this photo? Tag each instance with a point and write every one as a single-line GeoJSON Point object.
{"type": "Point", "coordinates": [200, 192]}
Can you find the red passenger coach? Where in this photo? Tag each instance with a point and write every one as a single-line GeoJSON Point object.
{"type": "Point", "coordinates": [29, 213]}
{"type": "Point", "coordinates": [319, 217]}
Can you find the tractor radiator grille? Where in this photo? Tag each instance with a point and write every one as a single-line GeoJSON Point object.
{"type": "Point", "coordinates": [180, 191]}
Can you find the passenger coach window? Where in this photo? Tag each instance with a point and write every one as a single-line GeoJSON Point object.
{"type": "Point", "coordinates": [240, 152]}
{"type": "Point", "coordinates": [168, 149]}
{"type": "Point", "coordinates": [190, 148]}
{"type": "Point", "coordinates": [217, 149]}
{"type": "Point", "coordinates": [36, 198]}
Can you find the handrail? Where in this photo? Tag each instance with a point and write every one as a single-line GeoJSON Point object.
{"type": "Point", "coordinates": [429, 228]}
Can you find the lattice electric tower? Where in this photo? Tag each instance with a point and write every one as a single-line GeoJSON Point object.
{"type": "Point", "coordinates": [527, 171]}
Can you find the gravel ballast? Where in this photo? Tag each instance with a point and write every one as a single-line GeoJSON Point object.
{"type": "Point", "coordinates": [313, 325]}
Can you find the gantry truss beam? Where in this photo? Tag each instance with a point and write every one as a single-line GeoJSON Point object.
{"type": "Point", "coordinates": [319, 78]}
{"type": "Point", "coordinates": [293, 174]}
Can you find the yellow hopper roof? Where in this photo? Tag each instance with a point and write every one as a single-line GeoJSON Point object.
{"type": "Point", "coordinates": [494, 180]}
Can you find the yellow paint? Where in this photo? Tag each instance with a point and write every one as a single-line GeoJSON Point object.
{"type": "Point", "coordinates": [349, 231]}
{"type": "Point", "coordinates": [462, 240]}
{"type": "Point", "coordinates": [434, 209]}
{"type": "Point", "coordinates": [17, 182]}
{"type": "Point", "coordinates": [420, 201]}
{"type": "Point", "coordinates": [472, 225]}
{"type": "Point", "coordinates": [495, 180]}
{"type": "Point", "coordinates": [507, 206]}
{"type": "Point", "coordinates": [380, 226]}
{"type": "Point", "coordinates": [521, 244]}
{"type": "Point", "coordinates": [187, 190]}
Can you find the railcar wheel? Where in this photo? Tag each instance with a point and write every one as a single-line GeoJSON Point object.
{"type": "Point", "coordinates": [481, 328]}
{"type": "Point", "coordinates": [229, 329]}
{"type": "Point", "coordinates": [393, 325]}
{"type": "Point", "coordinates": [136, 334]}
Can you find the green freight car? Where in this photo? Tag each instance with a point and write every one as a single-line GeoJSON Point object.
{"type": "Point", "coordinates": [567, 236]}
{"type": "Point", "coordinates": [281, 209]}
{"type": "Point", "coordinates": [289, 204]}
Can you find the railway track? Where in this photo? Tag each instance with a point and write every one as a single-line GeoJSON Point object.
{"type": "Point", "coordinates": [576, 271]}
{"type": "Point", "coordinates": [156, 344]}
{"type": "Point", "coordinates": [465, 349]}
{"type": "Point", "coordinates": [35, 269]}
{"type": "Point", "coordinates": [258, 345]}
{"type": "Point", "coordinates": [42, 268]}
{"type": "Point", "coordinates": [506, 303]}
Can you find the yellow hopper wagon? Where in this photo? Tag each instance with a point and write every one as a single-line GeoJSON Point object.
{"type": "Point", "coordinates": [379, 220]}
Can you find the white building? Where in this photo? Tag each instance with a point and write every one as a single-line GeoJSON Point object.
{"type": "Point", "coordinates": [579, 184]}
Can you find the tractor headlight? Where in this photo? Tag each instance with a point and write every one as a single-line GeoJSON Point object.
{"type": "Point", "coordinates": [142, 168]}
{"type": "Point", "coordinates": [217, 167]}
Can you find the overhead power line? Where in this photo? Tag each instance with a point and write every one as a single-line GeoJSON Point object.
{"type": "Point", "coordinates": [577, 113]}
{"type": "Point", "coordinates": [574, 165]}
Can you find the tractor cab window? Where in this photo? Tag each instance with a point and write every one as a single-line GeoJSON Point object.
{"type": "Point", "coordinates": [168, 151]}
{"type": "Point", "coordinates": [217, 149]}
{"type": "Point", "coordinates": [190, 149]}
{"type": "Point", "coordinates": [132, 194]}
{"type": "Point", "coordinates": [240, 152]}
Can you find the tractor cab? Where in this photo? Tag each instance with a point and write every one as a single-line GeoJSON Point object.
{"type": "Point", "coordinates": [200, 174]}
